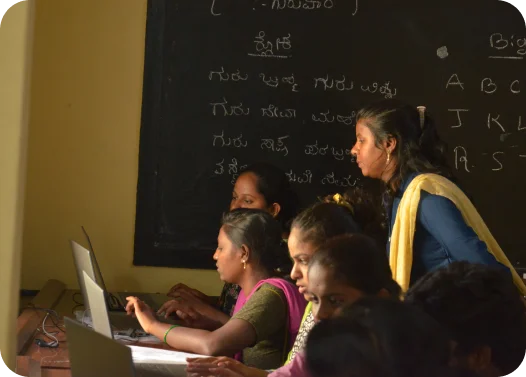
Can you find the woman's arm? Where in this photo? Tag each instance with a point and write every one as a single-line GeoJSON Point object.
{"type": "Point", "coordinates": [227, 340]}
{"type": "Point", "coordinates": [262, 315]}
{"type": "Point", "coordinates": [444, 221]}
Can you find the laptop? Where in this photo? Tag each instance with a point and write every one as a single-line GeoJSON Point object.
{"type": "Point", "coordinates": [116, 302]}
{"type": "Point", "coordinates": [100, 318]}
{"type": "Point", "coordinates": [92, 354]}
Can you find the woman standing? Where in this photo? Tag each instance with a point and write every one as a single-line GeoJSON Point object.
{"type": "Point", "coordinates": [431, 221]}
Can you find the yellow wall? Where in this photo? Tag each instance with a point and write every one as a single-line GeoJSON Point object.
{"type": "Point", "coordinates": [84, 144]}
{"type": "Point", "coordinates": [15, 33]}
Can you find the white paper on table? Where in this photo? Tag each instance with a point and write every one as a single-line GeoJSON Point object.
{"type": "Point", "coordinates": [159, 356]}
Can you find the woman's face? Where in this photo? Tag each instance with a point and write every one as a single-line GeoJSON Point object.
{"type": "Point", "coordinates": [300, 253]}
{"type": "Point", "coordinates": [228, 258]}
{"type": "Point", "coordinates": [371, 159]}
{"type": "Point", "coordinates": [246, 194]}
{"type": "Point", "coordinates": [327, 294]}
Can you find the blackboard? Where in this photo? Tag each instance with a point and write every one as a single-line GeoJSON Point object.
{"type": "Point", "coordinates": [231, 82]}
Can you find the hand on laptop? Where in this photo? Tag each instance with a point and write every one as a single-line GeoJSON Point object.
{"type": "Point", "coordinates": [194, 312]}
{"type": "Point", "coordinates": [179, 289]}
{"type": "Point", "coordinates": [221, 366]}
{"type": "Point", "coordinates": [145, 315]}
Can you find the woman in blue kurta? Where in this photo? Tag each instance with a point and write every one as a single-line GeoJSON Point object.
{"type": "Point", "coordinates": [431, 222]}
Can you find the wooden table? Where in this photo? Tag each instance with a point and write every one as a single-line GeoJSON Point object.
{"type": "Point", "coordinates": [35, 361]}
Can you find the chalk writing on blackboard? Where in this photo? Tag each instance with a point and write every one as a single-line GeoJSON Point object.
{"type": "Point", "coordinates": [454, 80]}
{"type": "Point", "coordinates": [277, 145]}
{"type": "Point", "coordinates": [280, 48]}
{"type": "Point", "coordinates": [222, 76]}
{"type": "Point", "coordinates": [273, 111]}
{"type": "Point", "coordinates": [461, 157]}
{"type": "Point", "coordinates": [274, 81]}
{"type": "Point", "coordinates": [506, 44]}
{"type": "Point", "coordinates": [489, 86]}
{"type": "Point", "coordinates": [340, 153]}
{"type": "Point", "coordinates": [384, 89]}
{"type": "Point", "coordinates": [347, 181]}
{"type": "Point", "coordinates": [458, 111]}
{"type": "Point", "coordinates": [236, 142]}
{"type": "Point", "coordinates": [305, 177]}
{"type": "Point", "coordinates": [496, 121]}
{"type": "Point", "coordinates": [330, 83]}
{"type": "Point", "coordinates": [235, 110]}
{"type": "Point", "coordinates": [327, 117]}
{"type": "Point", "coordinates": [302, 4]}
{"type": "Point", "coordinates": [500, 167]}
{"type": "Point", "coordinates": [314, 149]}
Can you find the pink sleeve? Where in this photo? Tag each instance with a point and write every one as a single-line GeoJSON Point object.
{"type": "Point", "coordinates": [296, 368]}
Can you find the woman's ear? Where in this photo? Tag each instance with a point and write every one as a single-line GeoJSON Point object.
{"type": "Point", "coordinates": [245, 253]}
{"type": "Point", "coordinates": [274, 209]}
{"type": "Point", "coordinates": [390, 144]}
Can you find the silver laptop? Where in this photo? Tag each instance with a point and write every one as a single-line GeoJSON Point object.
{"type": "Point", "coordinates": [116, 302]}
{"type": "Point", "coordinates": [99, 315]}
{"type": "Point", "coordinates": [92, 354]}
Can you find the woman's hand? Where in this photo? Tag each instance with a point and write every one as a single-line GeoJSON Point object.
{"type": "Point", "coordinates": [145, 315]}
{"type": "Point", "coordinates": [221, 366]}
{"type": "Point", "coordinates": [194, 312]}
{"type": "Point", "coordinates": [181, 288]}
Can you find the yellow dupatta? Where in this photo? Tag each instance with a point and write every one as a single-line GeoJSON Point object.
{"type": "Point", "coordinates": [401, 248]}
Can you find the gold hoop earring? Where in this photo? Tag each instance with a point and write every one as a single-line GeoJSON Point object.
{"type": "Point", "coordinates": [244, 264]}
{"type": "Point", "coordinates": [388, 156]}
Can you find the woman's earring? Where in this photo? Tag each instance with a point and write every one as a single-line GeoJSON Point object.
{"type": "Point", "coordinates": [388, 156]}
{"type": "Point", "coordinates": [244, 264]}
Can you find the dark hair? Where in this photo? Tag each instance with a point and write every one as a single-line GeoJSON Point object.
{"type": "Point", "coordinates": [367, 210]}
{"type": "Point", "coordinates": [324, 220]}
{"type": "Point", "coordinates": [418, 149]}
{"type": "Point", "coordinates": [378, 338]}
{"type": "Point", "coordinates": [480, 306]}
{"type": "Point", "coordinates": [260, 232]}
{"type": "Point", "coordinates": [356, 260]}
{"type": "Point", "coordinates": [275, 187]}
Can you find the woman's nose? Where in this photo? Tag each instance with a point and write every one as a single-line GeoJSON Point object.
{"type": "Point", "coordinates": [295, 272]}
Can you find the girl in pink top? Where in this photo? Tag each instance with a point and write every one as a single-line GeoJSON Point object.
{"type": "Point", "coordinates": [345, 269]}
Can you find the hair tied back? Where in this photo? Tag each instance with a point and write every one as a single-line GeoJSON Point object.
{"type": "Point", "coordinates": [422, 113]}
{"type": "Point", "coordinates": [339, 199]}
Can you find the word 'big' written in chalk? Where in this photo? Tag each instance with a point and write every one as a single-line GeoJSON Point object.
{"type": "Point", "coordinates": [513, 46]}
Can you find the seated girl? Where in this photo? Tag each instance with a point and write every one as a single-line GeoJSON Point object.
{"type": "Point", "coordinates": [268, 311]}
{"type": "Point", "coordinates": [345, 269]}
{"type": "Point", "coordinates": [259, 186]}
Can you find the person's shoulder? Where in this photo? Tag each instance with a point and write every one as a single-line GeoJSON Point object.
{"type": "Point", "coordinates": [270, 287]}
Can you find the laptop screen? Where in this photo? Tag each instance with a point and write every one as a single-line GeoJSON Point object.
{"type": "Point", "coordinates": [82, 259]}
{"type": "Point", "coordinates": [97, 304]}
{"type": "Point", "coordinates": [92, 354]}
